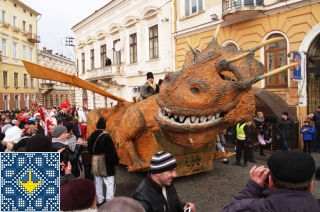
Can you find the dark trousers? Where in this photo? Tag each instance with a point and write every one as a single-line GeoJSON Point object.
{"type": "Point", "coordinates": [242, 147]}
{"type": "Point", "coordinates": [307, 145]}
{"type": "Point", "coordinates": [316, 140]}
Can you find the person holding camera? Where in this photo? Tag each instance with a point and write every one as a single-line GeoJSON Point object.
{"type": "Point", "coordinates": [59, 142]}
{"type": "Point", "coordinates": [157, 192]}
{"type": "Point", "coordinates": [289, 179]}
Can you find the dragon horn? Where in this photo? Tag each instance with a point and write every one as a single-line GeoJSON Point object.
{"type": "Point", "coordinates": [265, 75]}
{"type": "Point", "coordinates": [252, 50]}
{"type": "Point", "coordinates": [191, 48]}
{"type": "Point", "coordinates": [236, 58]}
{"type": "Point", "coordinates": [264, 43]}
{"type": "Point", "coordinates": [216, 32]}
{"type": "Point", "coordinates": [41, 72]}
{"type": "Point", "coordinates": [273, 72]}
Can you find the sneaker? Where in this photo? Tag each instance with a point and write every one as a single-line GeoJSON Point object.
{"type": "Point", "coordinates": [244, 164]}
{"type": "Point", "coordinates": [99, 204]}
{"type": "Point", "coordinates": [237, 163]}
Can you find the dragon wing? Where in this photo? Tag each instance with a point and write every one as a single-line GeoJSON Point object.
{"type": "Point", "coordinates": [41, 72]}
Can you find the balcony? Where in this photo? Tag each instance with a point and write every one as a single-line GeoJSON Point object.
{"type": "Point", "coordinates": [15, 29]}
{"type": "Point", "coordinates": [47, 86]}
{"type": "Point", "coordinates": [102, 73]}
{"type": "Point", "coordinates": [33, 38]}
{"type": "Point", "coordinates": [4, 24]}
{"type": "Point", "coordinates": [241, 8]}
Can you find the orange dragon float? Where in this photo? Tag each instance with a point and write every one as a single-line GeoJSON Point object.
{"type": "Point", "coordinates": [211, 92]}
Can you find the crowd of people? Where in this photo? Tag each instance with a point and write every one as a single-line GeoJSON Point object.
{"type": "Point", "coordinates": [285, 184]}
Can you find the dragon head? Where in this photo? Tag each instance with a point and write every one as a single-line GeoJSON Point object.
{"type": "Point", "coordinates": [210, 93]}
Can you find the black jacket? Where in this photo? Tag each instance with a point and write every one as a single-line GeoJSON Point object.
{"type": "Point", "coordinates": [72, 156]}
{"type": "Point", "coordinates": [105, 146]}
{"type": "Point", "coordinates": [285, 128]}
{"type": "Point", "coordinates": [149, 195]}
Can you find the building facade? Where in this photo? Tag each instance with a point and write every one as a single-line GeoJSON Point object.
{"type": "Point", "coordinates": [245, 23]}
{"type": "Point", "coordinates": [135, 36]}
{"type": "Point", "coordinates": [18, 35]}
{"type": "Point", "coordinates": [51, 93]}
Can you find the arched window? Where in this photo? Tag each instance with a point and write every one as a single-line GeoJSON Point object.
{"type": "Point", "coordinates": [275, 57]}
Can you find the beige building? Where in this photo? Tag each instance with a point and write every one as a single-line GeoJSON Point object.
{"type": "Point", "coordinates": [18, 37]}
{"type": "Point", "coordinates": [53, 93]}
{"type": "Point", "coordinates": [135, 36]}
{"type": "Point", "coordinates": [245, 23]}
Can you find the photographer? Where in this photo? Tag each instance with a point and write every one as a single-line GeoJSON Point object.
{"type": "Point", "coordinates": [290, 182]}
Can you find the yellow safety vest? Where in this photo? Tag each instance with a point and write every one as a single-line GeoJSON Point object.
{"type": "Point", "coordinates": [241, 135]}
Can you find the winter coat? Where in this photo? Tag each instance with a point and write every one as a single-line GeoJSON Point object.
{"type": "Point", "coordinates": [316, 119]}
{"type": "Point", "coordinates": [147, 90]}
{"type": "Point", "coordinates": [105, 146]}
{"type": "Point", "coordinates": [285, 128]}
{"type": "Point", "coordinates": [307, 136]}
{"type": "Point", "coordinates": [73, 156]}
{"type": "Point", "coordinates": [149, 195]}
{"type": "Point", "coordinates": [253, 198]}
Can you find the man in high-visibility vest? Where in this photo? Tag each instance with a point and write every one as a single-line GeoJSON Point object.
{"type": "Point", "coordinates": [242, 146]}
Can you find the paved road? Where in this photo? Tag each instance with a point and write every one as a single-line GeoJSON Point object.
{"type": "Point", "coordinates": [209, 191]}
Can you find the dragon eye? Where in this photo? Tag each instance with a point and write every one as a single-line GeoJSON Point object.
{"type": "Point", "coordinates": [228, 76]}
{"type": "Point", "coordinates": [194, 90]}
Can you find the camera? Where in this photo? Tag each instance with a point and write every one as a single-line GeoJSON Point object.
{"type": "Point", "coordinates": [188, 209]}
{"type": "Point", "coordinates": [266, 182]}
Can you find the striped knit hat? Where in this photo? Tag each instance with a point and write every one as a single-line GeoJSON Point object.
{"type": "Point", "coordinates": [161, 162]}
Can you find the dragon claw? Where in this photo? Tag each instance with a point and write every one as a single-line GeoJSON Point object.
{"type": "Point", "coordinates": [138, 165]}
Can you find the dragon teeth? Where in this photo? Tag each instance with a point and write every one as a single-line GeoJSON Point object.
{"type": "Point", "coordinates": [188, 120]}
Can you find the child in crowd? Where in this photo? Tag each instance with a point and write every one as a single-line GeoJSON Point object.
{"type": "Point", "coordinates": [307, 132]}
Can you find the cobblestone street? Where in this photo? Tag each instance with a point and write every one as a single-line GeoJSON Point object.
{"type": "Point", "coordinates": [209, 191]}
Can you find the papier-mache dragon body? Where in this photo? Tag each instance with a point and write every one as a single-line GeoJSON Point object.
{"type": "Point", "coordinates": [211, 92]}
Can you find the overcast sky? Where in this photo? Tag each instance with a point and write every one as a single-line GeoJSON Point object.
{"type": "Point", "coordinates": [57, 19]}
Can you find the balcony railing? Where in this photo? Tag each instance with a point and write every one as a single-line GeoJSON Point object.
{"type": "Point", "coordinates": [233, 6]}
{"type": "Point", "coordinates": [33, 38]}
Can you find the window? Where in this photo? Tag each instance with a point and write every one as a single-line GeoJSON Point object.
{"type": "Point", "coordinates": [92, 58]}
{"type": "Point", "coordinates": [25, 80]}
{"type": "Point", "coordinates": [133, 48]}
{"type": "Point", "coordinates": [275, 57]}
{"type": "Point", "coordinates": [24, 52]}
{"type": "Point", "coordinates": [16, 101]}
{"type": "Point", "coordinates": [193, 6]}
{"type": "Point", "coordinates": [32, 83]}
{"type": "Point", "coordinates": [26, 100]}
{"type": "Point", "coordinates": [33, 98]}
{"type": "Point", "coordinates": [14, 50]}
{"type": "Point", "coordinates": [3, 16]}
{"type": "Point", "coordinates": [4, 46]}
{"type": "Point", "coordinates": [23, 26]}
{"type": "Point", "coordinates": [116, 52]}
{"type": "Point", "coordinates": [14, 21]}
{"type": "Point", "coordinates": [153, 42]}
{"type": "Point", "coordinates": [5, 79]}
{"type": "Point", "coordinates": [103, 55]}
{"type": "Point", "coordinates": [15, 80]}
{"type": "Point", "coordinates": [30, 53]}
{"type": "Point", "coordinates": [6, 101]}
{"type": "Point", "coordinates": [83, 62]}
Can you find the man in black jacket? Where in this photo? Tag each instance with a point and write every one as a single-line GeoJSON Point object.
{"type": "Point", "coordinates": [157, 192]}
{"type": "Point", "coordinates": [285, 128]}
